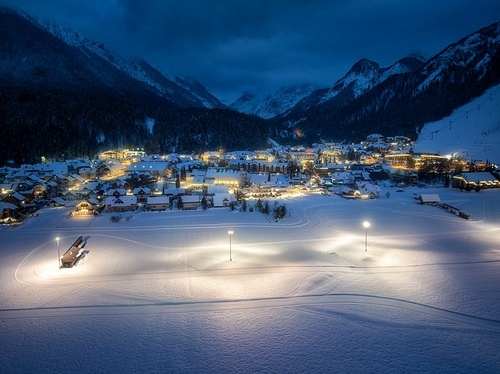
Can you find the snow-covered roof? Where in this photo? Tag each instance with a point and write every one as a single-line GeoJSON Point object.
{"type": "Point", "coordinates": [481, 176]}
{"type": "Point", "coordinates": [4, 205]}
{"type": "Point", "coordinates": [161, 199]}
{"type": "Point", "coordinates": [429, 198]}
{"type": "Point", "coordinates": [121, 200]}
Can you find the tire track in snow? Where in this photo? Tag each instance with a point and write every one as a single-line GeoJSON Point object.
{"type": "Point", "coordinates": [289, 302]}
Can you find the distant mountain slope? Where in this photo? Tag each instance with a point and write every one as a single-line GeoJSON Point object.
{"type": "Point", "coordinates": [270, 105]}
{"type": "Point", "coordinates": [471, 131]}
{"type": "Point", "coordinates": [182, 92]}
{"type": "Point", "coordinates": [401, 98]}
{"type": "Point", "coordinates": [70, 97]}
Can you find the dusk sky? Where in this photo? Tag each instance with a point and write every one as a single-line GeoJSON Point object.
{"type": "Point", "coordinates": [231, 46]}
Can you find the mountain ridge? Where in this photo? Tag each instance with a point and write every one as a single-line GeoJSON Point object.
{"type": "Point", "coordinates": [405, 101]}
{"type": "Point", "coordinates": [76, 97]}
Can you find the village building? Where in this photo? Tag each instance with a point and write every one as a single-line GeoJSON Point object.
{"type": "Point", "coordinates": [120, 203]}
{"type": "Point", "coordinates": [429, 199]}
{"type": "Point", "coordinates": [158, 203]}
{"type": "Point", "coordinates": [116, 192]}
{"type": "Point", "coordinates": [142, 194]}
{"type": "Point", "coordinates": [16, 198]}
{"type": "Point", "coordinates": [84, 208]}
{"type": "Point", "coordinates": [56, 202]}
{"type": "Point", "coordinates": [88, 173]}
{"type": "Point", "coordinates": [190, 202]}
{"type": "Point", "coordinates": [368, 190]}
{"type": "Point", "coordinates": [343, 178]}
{"type": "Point", "coordinates": [171, 191]}
{"type": "Point", "coordinates": [223, 176]}
{"type": "Point", "coordinates": [6, 188]}
{"type": "Point", "coordinates": [210, 157]}
{"type": "Point", "coordinates": [212, 190]}
{"type": "Point", "coordinates": [113, 169]}
{"type": "Point", "coordinates": [154, 168]}
{"type": "Point", "coordinates": [223, 199]}
{"type": "Point", "coordinates": [111, 155]}
{"type": "Point", "coordinates": [473, 180]}
{"type": "Point", "coordinates": [8, 210]}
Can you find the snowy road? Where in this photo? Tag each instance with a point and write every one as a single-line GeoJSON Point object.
{"type": "Point", "coordinates": [427, 274]}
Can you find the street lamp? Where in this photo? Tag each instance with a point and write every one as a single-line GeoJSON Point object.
{"type": "Point", "coordinates": [366, 224]}
{"type": "Point", "coordinates": [230, 232]}
{"type": "Point", "coordinates": [58, 253]}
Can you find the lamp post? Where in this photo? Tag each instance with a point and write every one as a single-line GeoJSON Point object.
{"type": "Point", "coordinates": [230, 232]}
{"type": "Point", "coordinates": [366, 224]}
{"type": "Point", "coordinates": [58, 253]}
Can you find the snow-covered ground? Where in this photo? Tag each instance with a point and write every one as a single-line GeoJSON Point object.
{"type": "Point", "coordinates": [471, 131]}
{"type": "Point", "coordinates": [156, 292]}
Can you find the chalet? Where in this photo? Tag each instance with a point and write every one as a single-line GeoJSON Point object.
{"type": "Point", "coordinates": [121, 203]}
{"type": "Point", "coordinates": [15, 198]}
{"type": "Point", "coordinates": [116, 192]}
{"type": "Point", "coordinates": [71, 196]}
{"type": "Point", "coordinates": [56, 202]}
{"type": "Point", "coordinates": [172, 191]}
{"type": "Point", "coordinates": [113, 168]}
{"type": "Point", "coordinates": [210, 157]}
{"type": "Point", "coordinates": [84, 208]}
{"type": "Point", "coordinates": [429, 199]}
{"type": "Point", "coordinates": [223, 199]}
{"type": "Point", "coordinates": [343, 178]}
{"type": "Point", "coordinates": [368, 190]}
{"type": "Point", "coordinates": [6, 188]}
{"type": "Point", "coordinates": [142, 194]}
{"type": "Point", "coordinates": [68, 181]}
{"type": "Point", "coordinates": [157, 203]}
{"type": "Point", "coordinates": [88, 172]}
{"type": "Point", "coordinates": [190, 202]}
{"type": "Point", "coordinates": [39, 191]}
{"type": "Point", "coordinates": [8, 210]}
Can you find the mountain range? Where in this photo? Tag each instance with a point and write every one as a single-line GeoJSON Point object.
{"type": "Point", "coordinates": [399, 99]}
{"type": "Point", "coordinates": [63, 95]}
{"type": "Point", "coordinates": [271, 105]}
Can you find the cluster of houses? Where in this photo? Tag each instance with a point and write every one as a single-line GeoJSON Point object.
{"type": "Point", "coordinates": [123, 181]}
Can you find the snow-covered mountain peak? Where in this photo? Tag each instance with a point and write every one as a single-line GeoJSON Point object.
{"type": "Point", "coordinates": [271, 105]}
{"type": "Point", "coordinates": [182, 91]}
{"type": "Point", "coordinates": [473, 51]}
{"type": "Point", "coordinates": [366, 74]}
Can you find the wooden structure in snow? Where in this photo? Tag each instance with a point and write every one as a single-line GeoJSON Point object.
{"type": "Point", "coordinates": [429, 198]}
{"type": "Point", "coordinates": [70, 257]}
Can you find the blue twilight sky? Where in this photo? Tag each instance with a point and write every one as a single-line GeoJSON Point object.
{"type": "Point", "coordinates": [231, 46]}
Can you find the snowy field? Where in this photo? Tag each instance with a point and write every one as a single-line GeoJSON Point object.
{"type": "Point", "coordinates": [156, 292]}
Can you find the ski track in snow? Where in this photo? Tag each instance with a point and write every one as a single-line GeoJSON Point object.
{"type": "Point", "coordinates": [293, 302]}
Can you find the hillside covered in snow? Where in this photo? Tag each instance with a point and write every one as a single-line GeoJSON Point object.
{"type": "Point", "coordinates": [471, 131]}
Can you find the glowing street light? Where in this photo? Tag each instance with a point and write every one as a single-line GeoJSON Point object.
{"type": "Point", "coordinates": [58, 253]}
{"type": "Point", "coordinates": [366, 224]}
{"type": "Point", "coordinates": [230, 232]}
